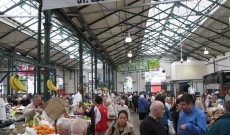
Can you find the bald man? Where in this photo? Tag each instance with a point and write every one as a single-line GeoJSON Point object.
{"type": "Point", "coordinates": [152, 124]}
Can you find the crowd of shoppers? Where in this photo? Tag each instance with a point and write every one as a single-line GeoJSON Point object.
{"type": "Point", "coordinates": [111, 114]}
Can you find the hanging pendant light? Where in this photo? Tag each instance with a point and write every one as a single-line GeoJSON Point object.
{"type": "Point", "coordinates": [206, 51]}
{"type": "Point", "coordinates": [71, 56]}
{"type": "Point", "coordinates": [128, 39]}
{"type": "Point", "coordinates": [130, 55]}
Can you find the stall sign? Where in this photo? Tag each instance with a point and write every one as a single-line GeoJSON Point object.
{"type": "Point", "coordinates": [52, 4]}
{"type": "Point", "coordinates": [25, 69]}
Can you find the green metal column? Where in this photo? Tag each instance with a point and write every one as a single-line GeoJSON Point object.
{"type": "Point", "coordinates": [112, 81]}
{"type": "Point", "coordinates": [116, 82]}
{"type": "Point", "coordinates": [8, 77]}
{"type": "Point", "coordinates": [81, 65]}
{"type": "Point", "coordinates": [92, 74]}
{"type": "Point", "coordinates": [95, 69]}
{"type": "Point", "coordinates": [55, 80]}
{"type": "Point", "coordinates": [47, 27]}
{"type": "Point", "coordinates": [109, 83]}
{"type": "Point", "coordinates": [74, 80]}
{"type": "Point", "coordinates": [38, 78]}
{"type": "Point", "coordinates": [103, 68]}
{"type": "Point", "coordinates": [63, 71]}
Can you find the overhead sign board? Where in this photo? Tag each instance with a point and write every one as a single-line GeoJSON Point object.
{"type": "Point", "coordinates": [139, 66]}
{"type": "Point", "coordinates": [53, 4]}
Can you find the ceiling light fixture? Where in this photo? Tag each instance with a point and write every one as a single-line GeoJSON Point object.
{"type": "Point", "coordinates": [71, 56]}
{"type": "Point", "coordinates": [130, 55]}
{"type": "Point", "coordinates": [206, 51]}
{"type": "Point", "coordinates": [188, 59]}
{"type": "Point", "coordinates": [181, 59]}
{"type": "Point", "coordinates": [128, 39]}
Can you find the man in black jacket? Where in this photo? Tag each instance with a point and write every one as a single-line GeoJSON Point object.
{"type": "Point", "coordinates": [152, 124]}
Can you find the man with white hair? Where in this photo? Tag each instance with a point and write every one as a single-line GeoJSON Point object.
{"type": "Point", "coordinates": [112, 111]}
{"type": "Point", "coordinates": [122, 106]}
{"type": "Point", "coordinates": [152, 124]}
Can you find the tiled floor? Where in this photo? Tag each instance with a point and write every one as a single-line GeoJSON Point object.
{"type": "Point", "coordinates": [135, 121]}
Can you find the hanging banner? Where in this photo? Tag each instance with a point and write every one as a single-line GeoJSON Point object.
{"type": "Point", "coordinates": [153, 64]}
{"type": "Point", "coordinates": [52, 4]}
{"type": "Point", "coordinates": [144, 65]}
{"type": "Point", "coordinates": [26, 69]}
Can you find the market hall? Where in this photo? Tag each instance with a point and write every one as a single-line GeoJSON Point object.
{"type": "Point", "coordinates": [71, 52]}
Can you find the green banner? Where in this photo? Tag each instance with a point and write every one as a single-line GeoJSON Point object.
{"type": "Point", "coordinates": [138, 66]}
{"type": "Point", "coordinates": [153, 64]}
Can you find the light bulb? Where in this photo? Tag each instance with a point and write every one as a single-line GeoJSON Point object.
{"type": "Point", "coordinates": [128, 39]}
{"type": "Point", "coordinates": [71, 56]}
{"type": "Point", "coordinates": [206, 51]}
{"type": "Point", "coordinates": [129, 54]}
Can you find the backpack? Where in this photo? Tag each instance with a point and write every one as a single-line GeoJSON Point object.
{"type": "Point", "coordinates": [113, 129]}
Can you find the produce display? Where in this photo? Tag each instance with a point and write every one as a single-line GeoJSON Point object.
{"type": "Point", "coordinates": [213, 114]}
{"type": "Point", "coordinates": [44, 129]}
{"type": "Point", "coordinates": [51, 86]}
{"type": "Point", "coordinates": [16, 84]}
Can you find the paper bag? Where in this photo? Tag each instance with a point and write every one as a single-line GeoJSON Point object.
{"type": "Point", "coordinates": [54, 107]}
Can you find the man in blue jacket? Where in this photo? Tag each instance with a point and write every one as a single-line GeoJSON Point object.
{"type": "Point", "coordinates": [221, 125]}
{"type": "Point", "coordinates": [192, 120]}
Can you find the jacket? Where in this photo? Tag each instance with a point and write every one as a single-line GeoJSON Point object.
{"type": "Point", "coordinates": [142, 105]}
{"type": "Point", "coordinates": [101, 119]}
{"type": "Point", "coordinates": [129, 129]}
{"type": "Point", "coordinates": [220, 126]}
{"type": "Point", "coordinates": [195, 122]}
{"type": "Point", "coordinates": [150, 126]}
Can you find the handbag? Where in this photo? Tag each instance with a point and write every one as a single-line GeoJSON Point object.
{"type": "Point", "coordinates": [171, 128]}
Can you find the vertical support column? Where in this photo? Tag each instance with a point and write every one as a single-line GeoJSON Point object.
{"type": "Point", "coordinates": [55, 80]}
{"type": "Point", "coordinates": [116, 82]}
{"type": "Point", "coordinates": [74, 80]}
{"type": "Point", "coordinates": [95, 69]}
{"type": "Point", "coordinates": [63, 71]}
{"type": "Point", "coordinates": [47, 27]}
{"type": "Point", "coordinates": [104, 74]}
{"type": "Point", "coordinates": [92, 74]}
{"type": "Point", "coordinates": [8, 77]}
{"type": "Point", "coordinates": [37, 84]}
{"type": "Point", "coordinates": [81, 65]}
{"type": "Point", "coordinates": [112, 80]}
{"type": "Point", "coordinates": [109, 83]}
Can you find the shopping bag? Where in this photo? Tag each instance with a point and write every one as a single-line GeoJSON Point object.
{"type": "Point", "coordinates": [171, 128]}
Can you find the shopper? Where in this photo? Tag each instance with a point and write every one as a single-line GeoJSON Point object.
{"type": "Point", "coordinates": [166, 115]}
{"type": "Point", "coordinates": [135, 101]}
{"type": "Point", "coordinates": [122, 106]}
{"type": "Point", "coordinates": [25, 100]}
{"type": "Point", "coordinates": [122, 126]}
{"type": "Point", "coordinates": [33, 107]}
{"type": "Point", "coordinates": [221, 124]}
{"type": "Point", "coordinates": [152, 124]}
{"type": "Point", "coordinates": [142, 107]}
{"type": "Point", "coordinates": [192, 120]}
{"type": "Point", "coordinates": [112, 111]}
{"type": "Point", "coordinates": [101, 117]}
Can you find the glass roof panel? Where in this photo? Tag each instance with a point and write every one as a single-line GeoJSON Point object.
{"type": "Point", "coordinates": [174, 19]}
{"type": "Point", "coordinates": [27, 14]}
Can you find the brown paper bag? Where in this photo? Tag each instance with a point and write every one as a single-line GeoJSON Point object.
{"type": "Point", "coordinates": [54, 107]}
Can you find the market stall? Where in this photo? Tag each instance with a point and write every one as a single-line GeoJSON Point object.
{"type": "Point", "coordinates": [218, 82]}
{"type": "Point", "coordinates": [58, 117]}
